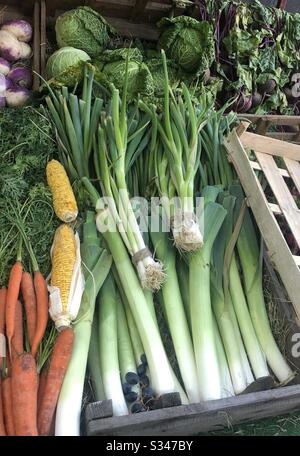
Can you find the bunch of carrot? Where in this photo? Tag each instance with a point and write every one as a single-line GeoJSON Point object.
{"type": "Point", "coordinates": [28, 397]}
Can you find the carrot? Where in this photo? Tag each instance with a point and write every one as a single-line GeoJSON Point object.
{"type": "Point", "coordinates": [42, 301]}
{"type": "Point", "coordinates": [7, 406]}
{"type": "Point", "coordinates": [17, 339]}
{"type": "Point", "coordinates": [12, 295]}
{"type": "Point", "coordinates": [2, 325]}
{"type": "Point", "coordinates": [59, 361]}
{"type": "Point", "coordinates": [2, 427]}
{"type": "Point", "coordinates": [42, 384]}
{"type": "Point", "coordinates": [29, 300]}
{"type": "Point", "coordinates": [24, 385]}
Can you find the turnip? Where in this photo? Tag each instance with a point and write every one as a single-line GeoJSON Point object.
{"type": "Point", "coordinates": [10, 47]}
{"type": "Point", "coordinates": [26, 51]}
{"type": "Point", "coordinates": [19, 28]}
{"type": "Point", "coordinates": [21, 76]}
{"type": "Point", "coordinates": [4, 66]}
{"type": "Point", "coordinates": [17, 96]}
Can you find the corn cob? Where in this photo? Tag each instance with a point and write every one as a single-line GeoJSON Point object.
{"type": "Point", "coordinates": [64, 201]}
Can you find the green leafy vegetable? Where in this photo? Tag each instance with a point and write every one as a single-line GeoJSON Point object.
{"type": "Point", "coordinates": [188, 43]}
{"type": "Point", "coordinates": [83, 28]}
{"type": "Point", "coordinates": [66, 65]}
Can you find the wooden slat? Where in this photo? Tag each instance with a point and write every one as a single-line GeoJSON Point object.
{"type": "Point", "coordinates": [256, 165]}
{"type": "Point", "coordinates": [273, 119]}
{"type": "Point", "coordinates": [294, 170]}
{"type": "Point", "coordinates": [270, 146]}
{"type": "Point", "coordinates": [277, 246]}
{"type": "Point", "coordinates": [43, 37]}
{"type": "Point", "coordinates": [297, 259]}
{"type": "Point", "coordinates": [275, 208]}
{"type": "Point", "coordinates": [202, 417]}
{"type": "Point", "coordinates": [281, 192]}
{"type": "Point", "coordinates": [130, 30]}
{"type": "Point", "coordinates": [139, 8]}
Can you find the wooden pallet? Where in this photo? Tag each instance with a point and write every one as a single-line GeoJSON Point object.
{"type": "Point", "coordinates": [263, 124]}
{"type": "Point", "coordinates": [30, 11]}
{"type": "Point", "coordinates": [239, 144]}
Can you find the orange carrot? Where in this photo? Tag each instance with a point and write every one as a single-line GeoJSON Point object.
{"type": "Point", "coordinates": [60, 358]}
{"type": "Point", "coordinates": [12, 298]}
{"type": "Point", "coordinates": [29, 301]}
{"type": "Point", "coordinates": [7, 406]}
{"type": "Point", "coordinates": [2, 427]}
{"type": "Point", "coordinates": [42, 302]}
{"type": "Point", "coordinates": [2, 325]}
{"type": "Point", "coordinates": [24, 385]}
{"type": "Point", "coordinates": [42, 384]}
{"type": "Point", "coordinates": [17, 339]}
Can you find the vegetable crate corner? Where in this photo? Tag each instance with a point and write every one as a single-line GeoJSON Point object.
{"type": "Point", "coordinates": [23, 48]}
{"type": "Point", "coordinates": [171, 418]}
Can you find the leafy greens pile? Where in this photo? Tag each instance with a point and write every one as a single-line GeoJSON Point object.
{"type": "Point", "coordinates": [26, 145]}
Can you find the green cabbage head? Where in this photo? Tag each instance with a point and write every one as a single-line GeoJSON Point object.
{"type": "Point", "coordinates": [188, 43]}
{"type": "Point", "coordinates": [83, 28]}
{"type": "Point", "coordinates": [63, 59]}
{"type": "Point", "coordinates": [111, 66]}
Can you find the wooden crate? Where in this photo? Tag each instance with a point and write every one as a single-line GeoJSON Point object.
{"type": "Point", "coordinates": [30, 11]}
{"type": "Point", "coordinates": [287, 127]}
{"type": "Point", "coordinates": [255, 403]}
{"type": "Point", "coordinates": [239, 144]}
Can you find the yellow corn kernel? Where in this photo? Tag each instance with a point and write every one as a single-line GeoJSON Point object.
{"type": "Point", "coordinates": [64, 201]}
{"type": "Point", "coordinates": [63, 261]}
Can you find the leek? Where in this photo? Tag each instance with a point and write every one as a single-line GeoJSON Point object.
{"type": "Point", "coordinates": [97, 264]}
{"type": "Point", "coordinates": [251, 262]}
{"type": "Point", "coordinates": [108, 347]}
{"type": "Point", "coordinates": [175, 315]}
{"type": "Point", "coordinates": [201, 310]}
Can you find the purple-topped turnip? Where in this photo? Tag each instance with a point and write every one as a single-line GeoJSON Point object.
{"type": "Point", "coordinates": [10, 48]}
{"type": "Point", "coordinates": [21, 76]}
{"type": "Point", "coordinates": [19, 28]}
{"type": "Point", "coordinates": [26, 51]}
{"type": "Point", "coordinates": [4, 66]}
{"type": "Point", "coordinates": [17, 96]}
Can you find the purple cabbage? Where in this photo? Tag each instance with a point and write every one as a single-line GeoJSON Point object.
{"type": "Point", "coordinates": [21, 29]}
{"type": "Point", "coordinates": [4, 66]}
{"type": "Point", "coordinates": [2, 101]}
{"type": "Point", "coordinates": [21, 76]}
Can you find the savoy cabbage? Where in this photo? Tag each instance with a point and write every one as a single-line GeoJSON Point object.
{"type": "Point", "coordinates": [83, 28]}
{"type": "Point", "coordinates": [188, 42]}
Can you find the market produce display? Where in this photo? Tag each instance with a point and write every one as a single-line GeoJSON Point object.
{"type": "Point", "coordinates": [99, 282]}
{"type": "Point", "coordinates": [15, 71]}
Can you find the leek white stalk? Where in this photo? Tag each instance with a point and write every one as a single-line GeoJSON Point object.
{"type": "Point", "coordinates": [108, 347]}
{"type": "Point", "coordinates": [162, 379]}
{"type": "Point", "coordinates": [94, 363]}
{"type": "Point", "coordinates": [226, 386]}
{"type": "Point", "coordinates": [176, 318]}
{"type": "Point", "coordinates": [98, 262]}
{"type": "Point", "coordinates": [253, 348]}
{"type": "Point", "coordinates": [244, 358]}
{"type": "Point", "coordinates": [125, 349]}
{"type": "Point", "coordinates": [218, 292]}
{"type": "Point", "coordinates": [251, 262]}
{"type": "Point", "coordinates": [201, 310]}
